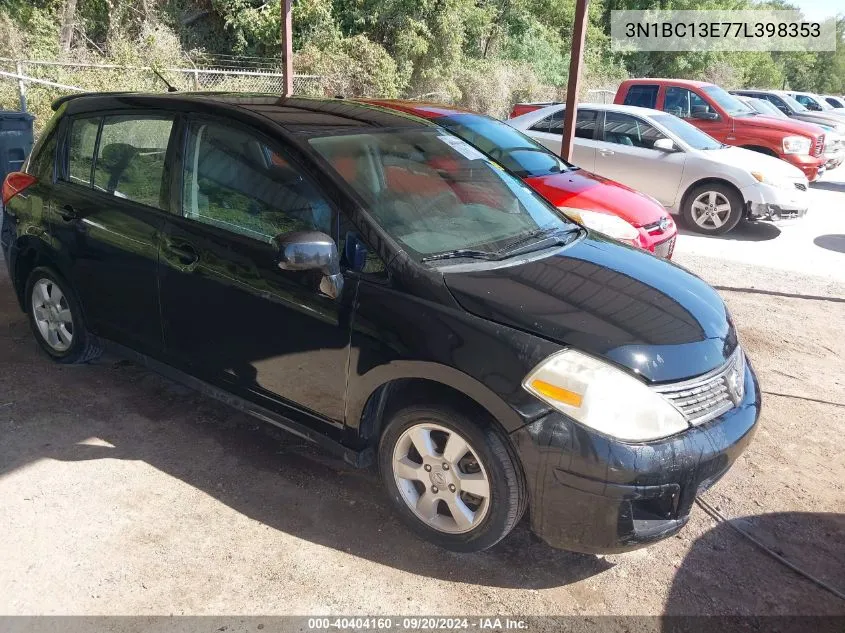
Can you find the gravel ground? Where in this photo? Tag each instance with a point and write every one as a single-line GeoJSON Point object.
{"type": "Point", "coordinates": [123, 493]}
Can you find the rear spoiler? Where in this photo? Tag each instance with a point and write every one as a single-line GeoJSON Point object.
{"type": "Point", "coordinates": [58, 103]}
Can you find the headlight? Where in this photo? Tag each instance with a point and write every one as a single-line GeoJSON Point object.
{"type": "Point", "coordinates": [796, 145]}
{"type": "Point", "coordinates": [611, 225]}
{"type": "Point", "coordinates": [766, 179]}
{"type": "Point", "coordinates": [603, 397]}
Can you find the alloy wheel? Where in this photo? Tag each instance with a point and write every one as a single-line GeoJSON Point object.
{"type": "Point", "coordinates": [711, 210]}
{"type": "Point", "coordinates": [52, 315]}
{"type": "Point", "coordinates": [441, 478]}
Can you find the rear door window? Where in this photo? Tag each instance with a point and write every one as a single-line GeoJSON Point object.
{"type": "Point", "coordinates": [585, 123]}
{"type": "Point", "coordinates": [82, 141]}
{"type": "Point", "coordinates": [131, 158]}
{"type": "Point", "coordinates": [642, 95]}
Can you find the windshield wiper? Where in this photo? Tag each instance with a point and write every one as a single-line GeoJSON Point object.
{"type": "Point", "coordinates": [529, 241]}
{"type": "Point", "coordinates": [459, 253]}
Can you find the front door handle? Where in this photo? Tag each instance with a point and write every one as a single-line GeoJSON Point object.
{"type": "Point", "coordinates": [185, 253]}
{"type": "Point", "coordinates": [67, 213]}
{"type": "Point", "coordinates": [606, 152]}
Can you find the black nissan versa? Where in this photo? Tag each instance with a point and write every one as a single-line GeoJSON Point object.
{"type": "Point", "coordinates": [370, 282]}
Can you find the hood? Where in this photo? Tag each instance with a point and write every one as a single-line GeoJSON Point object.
{"type": "Point", "coordinates": [787, 126]}
{"type": "Point", "coordinates": [820, 118]}
{"type": "Point", "coordinates": [749, 160]}
{"type": "Point", "coordinates": [582, 189]}
{"type": "Point", "coordinates": [611, 301]}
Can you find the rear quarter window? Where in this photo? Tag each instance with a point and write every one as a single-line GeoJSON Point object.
{"type": "Point", "coordinates": [643, 96]}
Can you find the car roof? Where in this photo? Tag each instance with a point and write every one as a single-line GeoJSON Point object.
{"type": "Point", "coordinates": [690, 83]}
{"type": "Point", "coordinates": [424, 109]}
{"type": "Point", "coordinates": [607, 107]}
{"type": "Point", "coordinates": [298, 115]}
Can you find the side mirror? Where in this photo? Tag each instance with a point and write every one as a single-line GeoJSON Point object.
{"type": "Point", "coordinates": [705, 115]}
{"type": "Point", "coordinates": [665, 144]}
{"type": "Point", "coordinates": [312, 250]}
{"type": "Point", "coordinates": [815, 107]}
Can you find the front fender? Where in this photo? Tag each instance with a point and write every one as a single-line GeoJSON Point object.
{"type": "Point", "coordinates": [396, 335]}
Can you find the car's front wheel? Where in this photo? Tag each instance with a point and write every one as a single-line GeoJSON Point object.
{"type": "Point", "coordinates": [56, 318]}
{"type": "Point", "coordinates": [454, 482]}
{"type": "Point", "coordinates": [713, 209]}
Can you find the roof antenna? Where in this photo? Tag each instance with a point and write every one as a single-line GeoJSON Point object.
{"type": "Point", "coordinates": [166, 83]}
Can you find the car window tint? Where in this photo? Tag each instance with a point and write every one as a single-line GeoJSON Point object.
{"type": "Point", "coordinates": [130, 158]}
{"type": "Point", "coordinates": [683, 103]}
{"type": "Point", "coordinates": [42, 165]}
{"type": "Point", "coordinates": [235, 182]}
{"type": "Point", "coordinates": [585, 124]}
{"type": "Point", "coordinates": [547, 124]}
{"type": "Point", "coordinates": [624, 129]}
{"type": "Point", "coordinates": [81, 141]}
{"type": "Point", "coordinates": [644, 96]}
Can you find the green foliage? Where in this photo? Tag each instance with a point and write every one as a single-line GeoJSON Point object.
{"type": "Point", "coordinates": [483, 54]}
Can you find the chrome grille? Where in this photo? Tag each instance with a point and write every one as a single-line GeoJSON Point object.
{"type": "Point", "coordinates": [818, 148]}
{"type": "Point", "coordinates": [706, 397]}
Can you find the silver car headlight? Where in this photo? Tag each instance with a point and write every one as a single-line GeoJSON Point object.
{"type": "Point", "coordinates": [766, 179]}
{"type": "Point", "coordinates": [607, 399]}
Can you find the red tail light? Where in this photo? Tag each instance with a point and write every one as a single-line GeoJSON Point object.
{"type": "Point", "coordinates": [16, 182]}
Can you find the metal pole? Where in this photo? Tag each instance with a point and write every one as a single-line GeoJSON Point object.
{"type": "Point", "coordinates": [579, 32]}
{"type": "Point", "coordinates": [287, 46]}
{"type": "Point", "coordinates": [21, 86]}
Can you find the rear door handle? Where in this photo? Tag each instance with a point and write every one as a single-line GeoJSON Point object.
{"type": "Point", "coordinates": [606, 152]}
{"type": "Point", "coordinates": [67, 213]}
{"type": "Point", "coordinates": [185, 253]}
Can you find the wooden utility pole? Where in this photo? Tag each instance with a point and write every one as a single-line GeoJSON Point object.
{"type": "Point", "coordinates": [287, 46]}
{"type": "Point", "coordinates": [579, 32]}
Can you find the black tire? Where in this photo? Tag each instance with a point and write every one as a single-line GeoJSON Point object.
{"type": "Point", "coordinates": [731, 195]}
{"type": "Point", "coordinates": [508, 493]}
{"type": "Point", "coordinates": [83, 347]}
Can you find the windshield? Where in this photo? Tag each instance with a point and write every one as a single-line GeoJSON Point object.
{"type": "Point", "coordinates": [507, 146]}
{"type": "Point", "coordinates": [727, 101]}
{"type": "Point", "coordinates": [435, 193]}
{"type": "Point", "coordinates": [793, 103]}
{"type": "Point", "coordinates": [764, 107]}
{"type": "Point", "coordinates": [688, 133]}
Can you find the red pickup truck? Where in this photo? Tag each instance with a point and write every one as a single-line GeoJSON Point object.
{"type": "Point", "coordinates": [724, 117]}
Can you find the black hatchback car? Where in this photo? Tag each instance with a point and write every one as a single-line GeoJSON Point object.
{"type": "Point", "coordinates": [366, 280]}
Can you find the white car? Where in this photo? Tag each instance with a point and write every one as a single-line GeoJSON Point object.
{"type": "Point", "coordinates": [711, 185]}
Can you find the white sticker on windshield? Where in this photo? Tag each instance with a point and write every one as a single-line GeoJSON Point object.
{"type": "Point", "coordinates": [462, 147]}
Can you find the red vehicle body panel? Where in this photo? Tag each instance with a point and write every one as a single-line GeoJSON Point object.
{"type": "Point", "coordinates": [750, 132]}
{"type": "Point", "coordinates": [579, 189]}
{"type": "Point", "coordinates": [524, 108]}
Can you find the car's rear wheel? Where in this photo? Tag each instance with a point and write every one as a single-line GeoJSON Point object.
{"type": "Point", "coordinates": [453, 482]}
{"type": "Point", "coordinates": [56, 318]}
{"type": "Point", "coordinates": [713, 209]}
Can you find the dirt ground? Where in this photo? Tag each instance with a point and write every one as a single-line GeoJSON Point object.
{"type": "Point", "coordinates": [123, 493]}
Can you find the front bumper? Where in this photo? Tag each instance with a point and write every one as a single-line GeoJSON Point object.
{"type": "Point", "coordinates": [765, 202]}
{"type": "Point", "coordinates": [590, 493]}
{"type": "Point", "coordinates": [812, 166]}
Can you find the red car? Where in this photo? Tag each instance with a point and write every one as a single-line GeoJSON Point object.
{"type": "Point", "coordinates": [598, 203]}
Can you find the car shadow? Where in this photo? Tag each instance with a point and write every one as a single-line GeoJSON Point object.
{"type": "Point", "coordinates": [724, 573]}
{"type": "Point", "coordinates": [831, 242]}
{"type": "Point", "coordinates": [828, 186]}
{"type": "Point", "coordinates": [115, 409]}
{"type": "Point", "coordinates": [743, 232]}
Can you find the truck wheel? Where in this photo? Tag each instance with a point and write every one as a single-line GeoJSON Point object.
{"type": "Point", "coordinates": [56, 318]}
{"type": "Point", "coordinates": [453, 482]}
{"type": "Point", "coordinates": [712, 208]}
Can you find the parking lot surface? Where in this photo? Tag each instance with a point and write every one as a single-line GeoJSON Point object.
{"type": "Point", "coordinates": [123, 493]}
